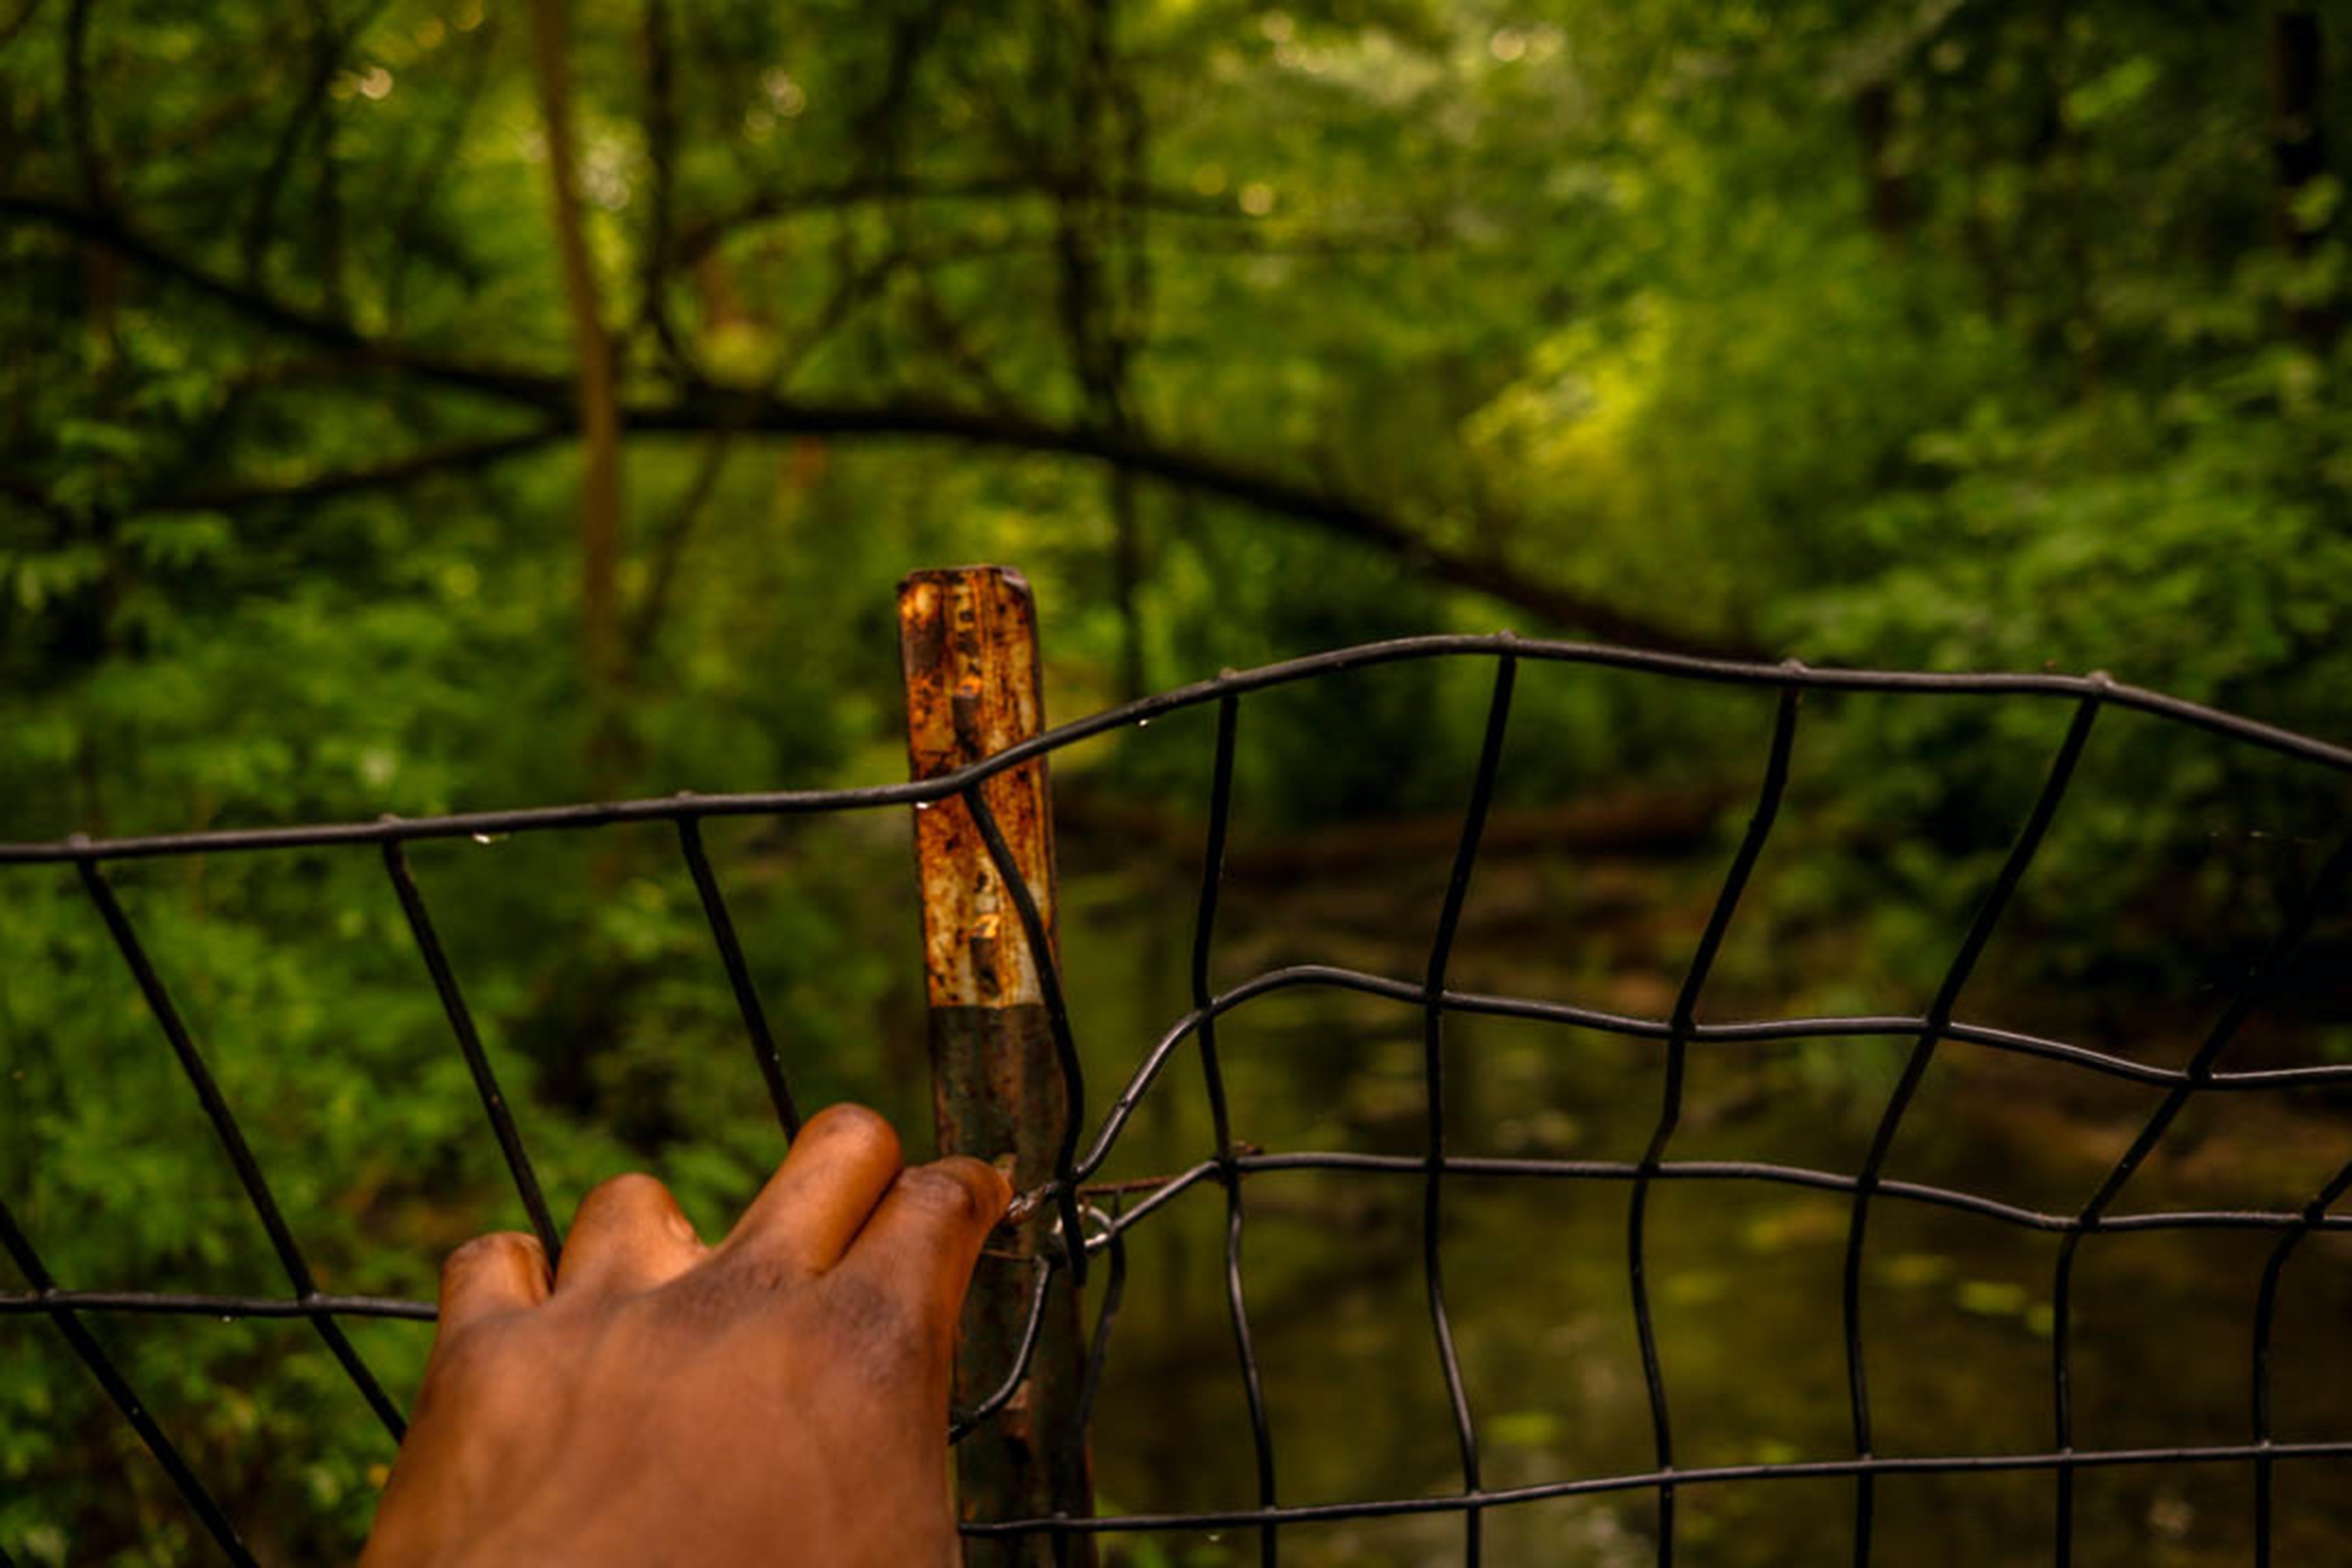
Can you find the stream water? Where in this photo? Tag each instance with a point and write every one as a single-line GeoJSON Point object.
{"type": "Point", "coordinates": [1745, 1276]}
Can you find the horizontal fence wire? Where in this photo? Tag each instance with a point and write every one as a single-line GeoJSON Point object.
{"type": "Point", "coordinates": [1080, 1228]}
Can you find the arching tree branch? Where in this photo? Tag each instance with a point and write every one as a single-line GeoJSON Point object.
{"type": "Point", "coordinates": [1342, 516]}
{"type": "Point", "coordinates": [706, 408]}
{"type": "Point", "coordinates": [697, 240]}
{"type": "Point", "coordinates": [464, 456]}
{"type": "Point", "coordinates": [550, 392]}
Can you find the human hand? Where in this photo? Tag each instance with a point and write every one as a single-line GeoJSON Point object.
{"type": "Point", "coordinates": [782, 1397]}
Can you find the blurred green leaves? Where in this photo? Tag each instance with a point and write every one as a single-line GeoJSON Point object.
{"type": "Point", "coordinates": [1951, 336]}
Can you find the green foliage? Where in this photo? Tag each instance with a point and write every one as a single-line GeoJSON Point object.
{"type": "Point", "coordinates": [1954, 336]}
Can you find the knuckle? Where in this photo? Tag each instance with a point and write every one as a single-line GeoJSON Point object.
{"type": "Point", "coordinates": [856, 1127]}
{"type": "Point", "coordinates": [630, 1190]}
{"type": "Point", "coordinates": [991, 1186]}
{"type": "Point", "coordinates": [944, 1193]}
{"type": "Point", "coordinates": [499, 1249]}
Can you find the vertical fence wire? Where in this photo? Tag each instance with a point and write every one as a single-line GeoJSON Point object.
{"type": "Point", "coordinates": [1221, 1124]}
{"type": "Point", "coordinates": [2314, 1215]}
{"type": "Point", "coordinates": [1938, 1020]}
{"type": "Point", "coordinates": [738, 975]}
{"type": "Point", "coordinates": [1684, 1019]}
{"type": "Point", "coordinates": [1097, 1354]}
{"type": "Point", "coordinates": [962, 1424]}
{"type": "Point", "coordinates": [1441, 953]}
{"type": "Point", "coordinates": [478, 1061]}
{"type": "Point", "coordinates": [133, 1410]}
{"type": "Point", "coordinates": [1057, 1018]}
{"type": "Point", "coordinates": [2325, 888]}
{"type": "Point", "coordinates": [263, 1201]}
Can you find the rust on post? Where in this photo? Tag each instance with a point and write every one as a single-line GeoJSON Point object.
{"type": "Point", "coordinates": [968, 642]}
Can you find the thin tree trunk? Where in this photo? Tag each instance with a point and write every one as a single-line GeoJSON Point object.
{"type": "Point", "coordinates": [2299, 145]}
{"type": "Point", "coordinates": [1884, 195]}
{"type": "Point", "coordinates": [600, 416]}
{"type": "Point", "coordinates": [1092, 222]}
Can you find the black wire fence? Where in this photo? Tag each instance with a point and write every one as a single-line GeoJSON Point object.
{"type": "Point", "coordinates": [1084, 1230]}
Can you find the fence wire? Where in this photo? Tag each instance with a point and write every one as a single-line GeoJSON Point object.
{"type": "Point", "coordinates": [1085, 1230]}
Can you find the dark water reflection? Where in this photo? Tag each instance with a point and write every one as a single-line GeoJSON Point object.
{"type": "Point", "coordinates": [1745, 1288]}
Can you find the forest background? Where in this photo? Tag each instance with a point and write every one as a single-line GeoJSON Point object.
{"type": "Point", "coordinates": [414, 406]}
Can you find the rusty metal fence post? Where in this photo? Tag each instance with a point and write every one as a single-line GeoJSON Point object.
{"type": "Point", "coordinates": [967, 643]}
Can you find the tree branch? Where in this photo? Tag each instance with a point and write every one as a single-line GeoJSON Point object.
{"type": "Point", "coordinates": [326, 56]}
{"type": "Point", "coordinates": [1339, 515]}
{"type": "Point", "coordinates": [947, 335]}
{"type": "Point", "coordinates": [17, 24]}
{"type": "Point", "coordinates": [698, 241]}
{"type": "Point", "coordinates": [408, 220]}
{"type": "Point", "coordinates": [668, 553]}
{"type": "Point", "coordinates": [464, 456]}
{"type": "Point", "coordinates": [661, 128]}
{"type": "Point", "coordinates": [706, 408]}
{"type": "Point", "coordinates": [507, 383]}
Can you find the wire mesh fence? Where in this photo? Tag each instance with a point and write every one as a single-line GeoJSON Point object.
{"type": "Point", "coordinates": [1083, 1219]}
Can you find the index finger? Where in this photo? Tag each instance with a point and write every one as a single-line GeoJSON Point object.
{"type": "Point", "coordinates": [491, 1275]}
{"type": "Point", "coordinates": [926, 1234]}
{"type": "Point", "coordinates": [836, 1171]}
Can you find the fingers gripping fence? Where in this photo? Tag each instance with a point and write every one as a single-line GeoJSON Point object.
{"type": "Point", "coordinates": [1066, 1228]}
